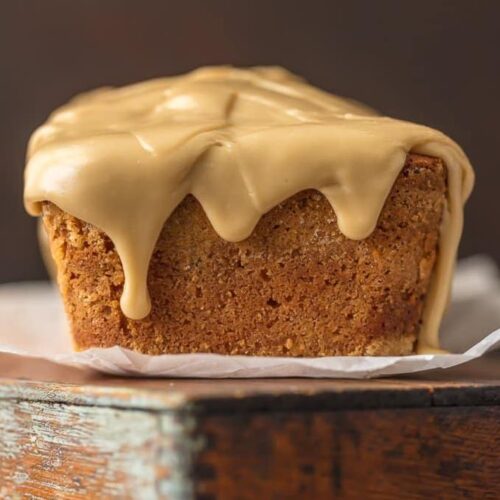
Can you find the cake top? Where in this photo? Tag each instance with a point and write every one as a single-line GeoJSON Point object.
{"type": "Point", "coordinates": [241, 141]}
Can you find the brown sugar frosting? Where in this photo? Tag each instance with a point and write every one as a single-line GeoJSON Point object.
{"type": "Point", "coordinates": [241, 141]}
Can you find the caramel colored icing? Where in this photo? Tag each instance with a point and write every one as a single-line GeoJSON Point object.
{"type": "Point", "coordinates": [241, 141]}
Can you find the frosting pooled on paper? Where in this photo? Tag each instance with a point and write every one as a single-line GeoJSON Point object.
{"type": "Point", "coordinates": [241, 141]}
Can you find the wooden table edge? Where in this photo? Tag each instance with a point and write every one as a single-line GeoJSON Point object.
{"type": "Point", "coordinates": [342, 394]}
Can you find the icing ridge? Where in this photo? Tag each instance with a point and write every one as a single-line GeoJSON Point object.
{"type": "Point", "coordinates": [241, 141]}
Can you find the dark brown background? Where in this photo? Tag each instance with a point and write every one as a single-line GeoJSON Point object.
{"type": "Point", "coordinates": [434, 61]}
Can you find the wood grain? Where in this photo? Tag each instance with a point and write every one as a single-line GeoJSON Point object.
{"type": "Point", "coordinates": [404, 453]}
{"type": "Point", "coordinates": [477, 382]}
{"type": "Point", "coordinates": [434, 435]}
{"type": "Point", "coordinates": [50, 450]}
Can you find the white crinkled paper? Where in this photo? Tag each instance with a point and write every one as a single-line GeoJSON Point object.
{"type": "Point", "coordinates": [32, 324]}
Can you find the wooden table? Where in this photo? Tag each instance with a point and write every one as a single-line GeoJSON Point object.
{"type": "Point", "coordinates": [70, 434]}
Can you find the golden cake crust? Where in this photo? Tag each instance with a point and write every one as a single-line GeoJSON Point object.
{"type": "Point", "coordinates": [295, 287]}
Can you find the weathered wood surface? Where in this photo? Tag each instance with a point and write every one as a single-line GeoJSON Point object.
{"type": "Point", "coordinates": [68, 451]}
{"type": "Point", "coordinates": [71, 434]}
{"type": "Point", "coordinates": [468, 384]}
{"type": "Point", "coordinates": [397, 453]}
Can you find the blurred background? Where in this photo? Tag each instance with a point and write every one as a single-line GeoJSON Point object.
{"type": "Point", "coordinates": [433, 61]}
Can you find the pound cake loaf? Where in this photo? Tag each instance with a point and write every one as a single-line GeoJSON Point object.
{"type": "Point", "coordinates": [245, 212]}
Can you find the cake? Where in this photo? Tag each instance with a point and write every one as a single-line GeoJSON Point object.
{"type": "Point", "coordinates": [242, 211]}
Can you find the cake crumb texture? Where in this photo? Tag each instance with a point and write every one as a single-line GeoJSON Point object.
{"type": "Point", "coordinates": [295, 287]}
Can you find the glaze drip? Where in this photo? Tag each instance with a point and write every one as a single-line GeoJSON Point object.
{"type": "Point", "coordinates": [241, 141]}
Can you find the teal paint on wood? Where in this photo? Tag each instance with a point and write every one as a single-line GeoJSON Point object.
{"type": "Point", "coordinates": [67, 451]}
{"type": "Point", "coordinates": [109, 437]}
{"type": "Point", "coordinates": [178, 457]}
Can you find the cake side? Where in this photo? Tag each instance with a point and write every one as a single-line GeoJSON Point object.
{"type": "Point", "coordinates": [295, 287]}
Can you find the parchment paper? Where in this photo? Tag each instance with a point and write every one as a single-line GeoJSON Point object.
{"type": "Point", "coordinates": [32, 323]}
